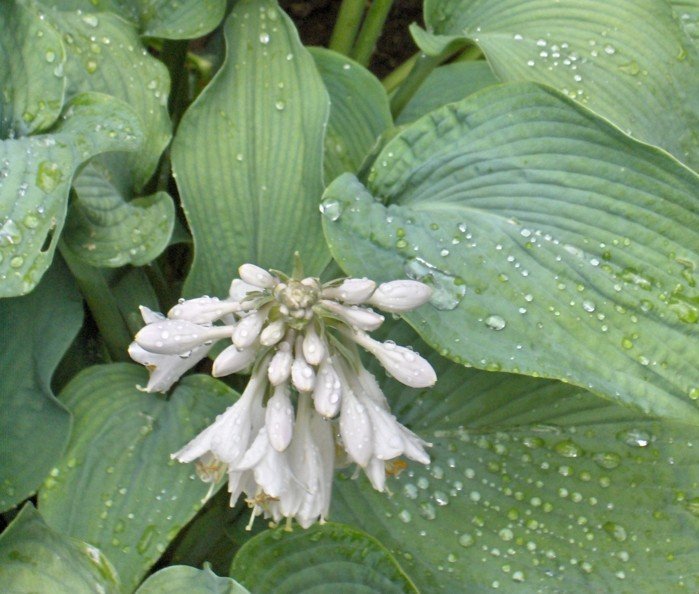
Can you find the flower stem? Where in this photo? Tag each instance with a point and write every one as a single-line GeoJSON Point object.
{"type": "Point", "coordinates": [371, 31]}
{"type": "Point", "coordinates": [420, 71]}
{"type": "Point", "coordinates": [346, 26]}
{"type": "Point", "coordinates": [397, 76]}
{"type": "Point", "coordinates": [102, 304]}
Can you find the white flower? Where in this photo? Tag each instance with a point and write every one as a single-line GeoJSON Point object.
{"type": "Point", "coordinates": [277, 442]}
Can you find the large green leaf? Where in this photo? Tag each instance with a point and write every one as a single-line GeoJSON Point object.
{"type": "Point", "coordinates": [359, 111]}
{"type": "Point", "coordinates": [169, 19]}
{"type": "Point", "coordinates": [247, 155]}
{"type": "Point", "coordinates": [323, 558]}
{"type": "Point", "coordinates": [31, 72]}
{"type": "Point", "coordinates": [105, 54]}
{"type": "Point", "coordinates": [557, 246]}
{"type": "Point", "coordinates": [629, 60]}
{"type": "Point", "coordinates": [116, 486]}
{"type": "Point", "coordinates": [37, 330]}
{"type": "Point", "coordinates": [188, 580]}
{"type": "Point", "coordinates": [35, 178]}
{"type": "Point", "coordinates": [104, 229]}
{"type": "Point", "coordinates": [36, 559]}
{"type": "Point", "coordinates": [534, 486]}
{"type": "Point", "coordinates": [447, 84]}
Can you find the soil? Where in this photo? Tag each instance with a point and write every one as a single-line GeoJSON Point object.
{"type": "Point", "coordinates": [315, 19]}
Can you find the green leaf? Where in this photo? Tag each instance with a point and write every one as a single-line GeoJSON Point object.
{"type": "Point", "coordinates": [34, 558]}
{"type": "Point", "coordinates": [168, 19]}
{"type": "Point", "coordinates": [116, 486]}
{"type": "Point", "coordinates": [247, 155]}
{"type": "Point", "coordinates": [447, 84]}
{"type": "Point", "coordinates": [31, 72]}
{"type": "Point", "coordinates": [557, 246]}
{"type": "Point", "coordinates": [687, 12]}
{"type": "Point", "coordinates": [628, 60]}
{"type": "Point", "coordinates": [104, 229]}
{"type": "Point", "coordinates": [534, 486]}
{"type": "Point", "coordinates": [38, 329]}
{"type": "Point", "coordinates": [105, 54]}
{"type": "Point", "coordinates": [188, 580]}
{"type": "Point", "coordinates": [36, 173]}
{"type": "Point", "coordinates": [359, 111]}
{"type": "Point", "coordinates": [321, 558]}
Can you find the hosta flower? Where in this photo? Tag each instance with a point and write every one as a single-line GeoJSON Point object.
{"type": "Point", "coordinates": [308, 393]}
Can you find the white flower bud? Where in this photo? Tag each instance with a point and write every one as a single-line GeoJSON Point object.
{"type": "Point", "coordinates": [405, 365]}
{"type": "Point", "coordinates": [273, 333]}
{"type": "Point", "coordinates": [357, 317]}
{"type": "Point", "coordinates": [328, 390]}
{"type": "Point", "coordinates": [173, 337]}
{"type": "Point", "coordinates": [248, 329]}
{"type": "Point", "coordinates": [232, 360]}
{"type": "Point", "coordinates": [279, 418]}
{"type": "Point", "coordinates": [149, 316]}
{"type": "Point", "coordinates": [400, 295]}
{"type": "Point", "coordinates": [280, 365]}
{"type": "Point", "coordinates": [202, 310]}
{"type": "Point", "coordinates": [313, 347]}
{"type": "Point", "coordinates": [254, 275]}
{"type": "Point", "coordinates": [351, 290]}
{"type": "Point", "coordinates": [302, 375]}
{"type": "Point", "coordinates": [240, 289]}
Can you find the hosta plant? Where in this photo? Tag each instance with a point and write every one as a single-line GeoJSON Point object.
{"type": "Point", "coordinates": [430, 333]}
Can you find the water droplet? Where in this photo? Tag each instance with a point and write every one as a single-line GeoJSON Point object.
{"type": "Point", "coordinates": [48, 176]}
{"type": "Point", "coordinates": [91, 20]}
{"type": "Point", "coordinates": [568, 449]}
{"type": "Point", "coordinates": [635, 437]}
{"type": "Point", "coordinates": [495, 322]}
{"type": "Point", "coordinates": [616, 531]}
{"type": "Point", "coordinates": [331, 209]}
{"type": "Point", "coordinates": [50, 56]}
{"type": "Point", "coordinates": [466, 540]}
{"type": "Point", "coordinates": [264, 38]}
{"type": "Point", "coordinates": [280, 105]}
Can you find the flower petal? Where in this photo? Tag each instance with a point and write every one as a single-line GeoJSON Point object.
{"type": "Point", "coordinates": [376, 473]}
{"type": "Point", "coordinates": [400, 295]}
{"type": "Point", "coordinates": [239, 290]}
{"type": "Point", "coordinates": [405, 365]}
{"type": "Point", "coordinates": [279, 420]}
{"type": "Point", "coordinates": [165, 370]}
{"type": "Point", "coordinates": [350, 290]}
{"type": "Point", "coordinates": [232, 360]}
{"type": "Point", "coordinates": [355, 429]}
{"type": "Point", "coordinates": [302, 375]}
{"type": "Point", "coordinates": [149, 316]}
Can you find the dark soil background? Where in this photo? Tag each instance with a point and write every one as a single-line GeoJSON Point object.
{"type": "Point", "coordinates": [315, 19]}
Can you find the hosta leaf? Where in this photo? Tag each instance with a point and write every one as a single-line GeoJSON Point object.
{"type": "Point", "coordinates": [188, 580]}
{"type": "Point", "coordinates": [248, 152]}
{"type": "Point", "coordinates": [37, 330]}
{"type": "Point", "coordinates": [557, 246]}
{"type": "Point", "coordinates": [105, 54]}
{"type": "Point", "coordinates": [34, 558]}
{"type": "Point", "coordinates": [169, 19]}
{"type": "Point", "coordinates": [628, 60]}
{"type": "Point", "coordinates": [104, 229]}
{"type": "Point", "coordinates": [116, 486]}
{"type": "Point", "coordinates": [322, 558]}
{"type": "Point", "coordinates": [534, 486]}
{"type": "Point", "coordinates": [447, 84]}
{"type": "Point", "coordinates": [359, 111]}
{"type": "Point", "coordinates": [31, 72]}
{"type": "Point", "coordinates": [687, 12]}
{"type": "Point", "coordinates": [35, 178]}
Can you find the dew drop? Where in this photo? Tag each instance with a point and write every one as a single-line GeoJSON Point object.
{"type": "Point", "coordinates": [495, 322]}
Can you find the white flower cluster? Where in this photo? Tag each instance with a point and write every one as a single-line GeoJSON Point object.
{"type": "Point", "coordinates": [299, 337]}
